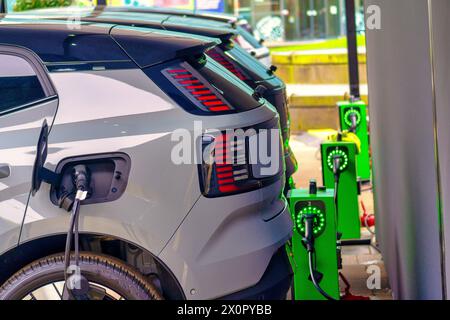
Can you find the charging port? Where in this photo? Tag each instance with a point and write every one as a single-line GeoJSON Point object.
{"type": "Point", "coordinates": [108, 178]}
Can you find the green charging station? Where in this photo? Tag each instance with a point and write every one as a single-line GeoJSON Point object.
{"type": "Point", "coordinates": [353, 118]}
{"type": "Point", "coordinates": [348, 222]}
{"type": "Point", "coordinates": [320, 205]}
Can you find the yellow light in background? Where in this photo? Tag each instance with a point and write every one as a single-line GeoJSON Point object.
{"type": "Point", "coordinates": [333, 10]}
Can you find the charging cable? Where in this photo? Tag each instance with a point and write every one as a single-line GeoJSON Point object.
{"type": "Point", "coordinates": [76, 286]}
{"type": "Point", "coordinates": [337, 174]}
{"type": "Point", "coordinates": [308, 241]}
{"type": "Point", "coordinates": [354, 122]}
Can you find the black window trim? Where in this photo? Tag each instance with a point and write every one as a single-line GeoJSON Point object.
{"type": "Point", "coordinates": [28, 105]}
{"type": "Point", "coordinates": [35, 62]}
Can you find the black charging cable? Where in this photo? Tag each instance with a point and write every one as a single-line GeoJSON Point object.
{"type": "Point", "coordinates": [337, 175]}
{"type": "Point", "coordinates": [308, 241]}
{"type": "Point", "coordinates": [79, 289]}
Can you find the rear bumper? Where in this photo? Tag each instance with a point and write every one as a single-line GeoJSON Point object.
{"type": "Point", "coordinates": [225, 244]}
{"type": "Point", "coordinates": [274, 284]}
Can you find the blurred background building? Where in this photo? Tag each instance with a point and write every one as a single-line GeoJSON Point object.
{"type": "Point", "coordinates": [272, 20]}
{"type": "Point", "coordinates": [293, 20]}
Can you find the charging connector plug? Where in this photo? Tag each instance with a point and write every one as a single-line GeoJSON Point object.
{"type": "Point", "coordinates": [336, 166]}
{"type": "Point", "coordinates": [308, 240]}
{"type": "Point", "coordinates": [354, 121]}
{"type": "Point", "coordinates": [314, 275]}
{"type": "Point", "coordinates": [81, 177]}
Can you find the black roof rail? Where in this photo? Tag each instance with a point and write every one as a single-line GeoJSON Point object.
{"type": "Point", "coordinates": [176, 12]}
{"type": "Point", "coordinates": [224, 34]}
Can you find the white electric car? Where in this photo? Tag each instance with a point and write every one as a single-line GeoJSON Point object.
{"type": "Point", "coordinates": [139, 109]}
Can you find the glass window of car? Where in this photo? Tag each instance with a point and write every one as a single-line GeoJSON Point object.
{"type": "Point", "coordinates": [247, 40]}
{"type": "Point", "coordinates": [19, 84]}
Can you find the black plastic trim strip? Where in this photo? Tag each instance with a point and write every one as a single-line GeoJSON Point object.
{"type": "Point", "coordinates": [29, 105]}
{"type": "Point", "coordinates": [274, 284]}
{"type": "Point", "coordinates": [91, 66]}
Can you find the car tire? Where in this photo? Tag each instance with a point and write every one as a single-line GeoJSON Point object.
{"type": "Point", "coordinates": [102, 270]}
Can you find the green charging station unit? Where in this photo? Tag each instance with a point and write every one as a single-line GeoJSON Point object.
{"type": "Point", "coordinates": [353, 118]}
{"type": "Point", "coordinates": [321, 205]}
{"type": "Point", "coordinates": [348, 222]}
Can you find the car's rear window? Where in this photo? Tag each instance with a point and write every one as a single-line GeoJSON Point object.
{"type": "Point", "coordinates": [231, 87]}
{"type": "Point", "coordinates": [249, 63]}
{"type": "Point", "coordinates": [249, 41]}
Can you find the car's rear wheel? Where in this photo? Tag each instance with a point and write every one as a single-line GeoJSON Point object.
{"type": "Point", "coordinates": [109, 279]}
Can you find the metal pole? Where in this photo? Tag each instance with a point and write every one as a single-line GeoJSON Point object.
{"type": "Point", "coordinates": [326, 18]}
{"type": "Point", "coordinates": [342, 25]}
{"type": "Point", "coordinates": [311, 18]}
{"type": "Point", "coordinates": [283, 19]}
{"type": "Point", "coordinates": [253, 16]}
{"type": "Point", "coordinates": [2, 6]}
{"type": "Point", "coordinates": [236, 7]}
{"type": "Point", "coordinates": [353, 65]}
{"type": "Point", "coordinates": [298, 17]}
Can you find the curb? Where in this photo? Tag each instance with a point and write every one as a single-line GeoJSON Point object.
{"type": "Point", "coordinates": [304, 58]}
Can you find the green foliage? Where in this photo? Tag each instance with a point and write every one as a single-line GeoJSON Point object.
{"type": "Point", "coordinates": [23, 5]}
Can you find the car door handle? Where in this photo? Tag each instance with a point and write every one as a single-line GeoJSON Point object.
{"type": "Point", "coordinates": [5, 171]}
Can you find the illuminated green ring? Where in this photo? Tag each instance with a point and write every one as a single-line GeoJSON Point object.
{"type": "Point", "coordinates": [337, 152]}
{"type": "Point", "coordinates": [347, 114]}
{"type": "Point", "coordinates": [319, 220]}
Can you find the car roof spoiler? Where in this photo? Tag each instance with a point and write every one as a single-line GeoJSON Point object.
{"type": "Point", "coordinates": [140, 44]}
{"type": "Point", "coordinates": [160, 21]}
{"type": "Point", "coordinates": [177, 12]}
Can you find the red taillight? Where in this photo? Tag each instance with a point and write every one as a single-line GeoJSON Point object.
{"type": "Point", "coordinates": [197, 89]}
{"type": "Point", "coordinates": [226, 62]}
{"type": "Point", "coordinates": [230, 161]}
{"type": "Point", "coordinates": [229, 166]}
